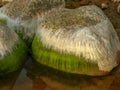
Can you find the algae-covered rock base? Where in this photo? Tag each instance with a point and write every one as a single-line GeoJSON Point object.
{"type": "Point", "coordinates": [81, 41]}
{"type": "Point", "coordinates": [64, 62]}
{"type": "Point", "coordinates": [13, 51]}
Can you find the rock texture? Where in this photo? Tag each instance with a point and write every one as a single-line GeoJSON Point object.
{"type": "Point", "coordinates": [84, 33]}
{"type": "Point", "coordinates": [69, 40]}
{"type": "Point", "coordinates": [12, 50]}
{"type": "Point", "coordinates": [21, 15]}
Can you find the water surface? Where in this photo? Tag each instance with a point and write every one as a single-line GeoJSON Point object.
{"type": "Point", "coordinates": [38, 77]}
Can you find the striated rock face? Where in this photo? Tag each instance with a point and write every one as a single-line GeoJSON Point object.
{"type": "Point", "coordinates": [73, 40]}
{"type": "Point", "coordinates": [12, 51]}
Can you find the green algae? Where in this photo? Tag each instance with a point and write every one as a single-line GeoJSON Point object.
{"type": "Point", "coordinates": [17, 29]}
{"type": "Point", "coordinates": [4, 21]}
{"type": "Point", "coordinates": [27, 40]}
{"type": "Point", "coordinates": [74, 17]}
{"type": "Point", "coordinates": [61, 61]}
{"type": "Point", "coordinates": [14, 60]}
{"type": "Point", "coordinates": [37, 69]}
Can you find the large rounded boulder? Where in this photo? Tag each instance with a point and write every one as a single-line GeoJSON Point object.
{"type": "Point", "coordinates": [81, 41]}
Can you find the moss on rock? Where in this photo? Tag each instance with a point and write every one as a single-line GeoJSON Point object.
{"type": "Point", "coordinates": [13, 61]}
{"type": "Point", "coordinates": [4, 21]}
{"type": "Point", "coordinates": [62, 61]}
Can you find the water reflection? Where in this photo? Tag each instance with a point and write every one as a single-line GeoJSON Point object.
{"type": "Point", "coordinates": [23, 82]}
{"type": "Point", "coordinates": [7, 82]}
{"type": "Point", "coordinates": [38, 77]}
{"type": "Point", "coordinates": [56, 80]}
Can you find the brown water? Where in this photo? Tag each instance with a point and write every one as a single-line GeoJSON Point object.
{"type": "Point", "coordinates": [36, 77]}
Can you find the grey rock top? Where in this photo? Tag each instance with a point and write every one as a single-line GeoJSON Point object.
{"type": "Point", "coordinates": [22, 15]}
{"type": "Point", "coordinates": [85, 31]}
{"type": "Point", "coordinates": [29, 8]}
{"type": "Point", "coordinates": [8, 39]}
{"type": "Point", "coordinates": [65, 18]}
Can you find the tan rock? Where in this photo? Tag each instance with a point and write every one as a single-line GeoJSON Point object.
{"type": "Point", "coordinates": [85, 32]}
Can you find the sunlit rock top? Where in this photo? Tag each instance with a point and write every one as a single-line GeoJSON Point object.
{"type": "Point", "coordinates": [85, 32]}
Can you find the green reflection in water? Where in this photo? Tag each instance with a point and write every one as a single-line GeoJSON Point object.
{"type": "Point", "coordinates": [36, 69]}
{"type": "Point", "coordinates": [39, 77]}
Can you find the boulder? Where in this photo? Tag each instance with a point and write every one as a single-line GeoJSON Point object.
{"type": "Point", "coordinates": [21, 15]}
{"type": "Point", "coordinates": [81, 41]}
{"type": "Point", "coordinates": [13, 51]}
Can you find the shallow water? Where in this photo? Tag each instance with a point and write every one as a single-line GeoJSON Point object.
{"type": "Point", "coordinates": [37, 77]}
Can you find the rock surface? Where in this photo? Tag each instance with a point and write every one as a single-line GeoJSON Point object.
{"type": "Point", "coordinates": [21, 15]}
{"type": "Point", "coordinates": [12, 51]}
{"type": "Point", "coordinates": [85, 33]}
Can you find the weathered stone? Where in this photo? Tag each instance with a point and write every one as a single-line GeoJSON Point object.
{"type": "Point", "coordinates": [79, 41]}
{"type": "Point", "coordinates": [21, 15]}
{"type": "Point", "coordinates": [12, 51]}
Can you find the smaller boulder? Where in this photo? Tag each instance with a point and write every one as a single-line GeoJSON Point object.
{"type": "Point", "coordinates": [13, 51]}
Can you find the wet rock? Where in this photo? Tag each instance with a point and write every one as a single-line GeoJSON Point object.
{"type": "Point", "coordinates": [81, 41]}
{"type": "Point", "coordinates": [21, 15]}
{"type": "Point", "coordinates": [12, 51]}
